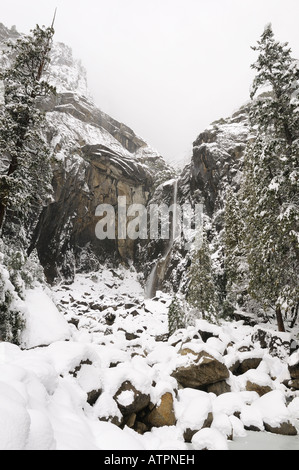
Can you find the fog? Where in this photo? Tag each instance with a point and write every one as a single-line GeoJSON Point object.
{"type": "Point", "coordinates": [166, 68]}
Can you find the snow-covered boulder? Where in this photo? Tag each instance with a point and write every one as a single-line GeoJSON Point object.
{"type": "Point", "coordinates": [129, 399]}
{"type": "Point", "coordinates": [44, 324]}
{"type": "Point", "coordinates": [14, 419]}
{"type": "Point", "coordinates": [194, 411]}
{"type": "Point", "coordinates": [209, 439]}
{"type": "Point", "coordinates": [278, 343]}
{"type": "Point", "coordinates": [244, 361]}
{"type": "Point", "coordinates": [276, 417]}
{"type": "Point", "coordinates": [200, 368]}
{"type": "Point", "coordinates": [293, 366]}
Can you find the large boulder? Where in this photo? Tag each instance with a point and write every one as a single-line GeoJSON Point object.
{"type": "Point", "coordinates": [245, 361]}
{"type": "Point", "coordinates": [200, 369]}
{"type": "Point", "coordinates": [163, 414]}
{"type": "Point", "coordinates": [130, 400]}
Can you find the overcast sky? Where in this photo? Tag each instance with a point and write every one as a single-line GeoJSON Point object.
{"type": "Point", "coordinates": [166, 68]}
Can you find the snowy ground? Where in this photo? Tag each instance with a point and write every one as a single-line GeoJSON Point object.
{"type": "Point", "coordinates": [58, 389]}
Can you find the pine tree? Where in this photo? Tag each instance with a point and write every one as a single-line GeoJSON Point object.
{"type": "Point", "coordinates": [270, 183]}
{"type": "Point", "coordinates": [25, 179]}
{"type": "Point", "coordinates": [202, 293]}
{"type": "Point", "coordinates": [11, 315]}
{"type": "Point", "coordinates": [235, 266]}
{"type": "Point", "coordinates": [26, 183]}
{"type": "Point", "coordinates": [176, 318]}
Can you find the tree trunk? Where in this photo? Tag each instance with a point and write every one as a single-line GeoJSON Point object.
{"type": "Point", "coordinates": [279, 318]}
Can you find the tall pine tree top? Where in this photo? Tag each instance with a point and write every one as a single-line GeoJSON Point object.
{"type": "Point", "coordinates": [276, 69]}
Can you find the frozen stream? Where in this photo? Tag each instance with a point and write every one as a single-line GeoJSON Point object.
{"type": "Point", "coordinates": [264, 441]}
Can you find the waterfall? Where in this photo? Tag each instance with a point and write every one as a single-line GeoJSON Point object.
{"type": "Point", "coordinates": [150, 288]}
{"type": "Point", "coordinates": [152, 281]}
{"type": "Point", "coordinates": [175, 213]}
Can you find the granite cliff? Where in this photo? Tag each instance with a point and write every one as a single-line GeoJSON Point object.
{"type": "Point", "coordinates": [96, 159]}
{"type": "Point", "coordinates": [216, 164]}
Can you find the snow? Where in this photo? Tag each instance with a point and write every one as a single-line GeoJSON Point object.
{"type": "Point", "coordinates": [126, 397]}
{"type": "Point", "coordinates": [67, 73]}
{"type": "Point", "coordinates": [294, 408]}
{"type": "Point", "coordinates": [41, 435]}
{"type": "Point", "coordinates": [192, 408]}
{"type": "Point", "coordinates": [69, 349]}
{"type": "Point", "coordinates": [164, 438]}
{"type": "Point", "coordinates": [228, 403]}
{"type": "Point", "coordinates": [251, 416]}
{"type": "Point", "coordinates": [257, 377]}
{"type": "Point", "coordinates": [15, 420]}
{"type": "Point", "coordinates": [44, 384]}
{"type": "Point", "coordinates": [44, 323]}
{"type": "Point", "coordinates": [222, 423]}
{"type": "Point", "coordinates": [73, 130]}
{"type": "Point", "coordinates": [109, 437]}
{"type": "Point", "coordinates": [294, 359]}
{"type": "Point", "coordinates": [89, 378]}
{"type": "Point", "coordinates": [210, 439]}
{"type": "Point", "coordinates": [272, 408]}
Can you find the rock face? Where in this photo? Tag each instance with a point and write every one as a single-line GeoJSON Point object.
{"type": "Point", "coordinates": [216, 164]}
{"type": "Point", "coordinates": [96, 160]}
{"type": "Point", "coordinates": [216, 159]}
{"type": "Point", "coordinates": [97, 176]}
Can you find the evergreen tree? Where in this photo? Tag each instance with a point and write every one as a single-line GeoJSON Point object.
{"type": "Point", "coordinates": [26, 182]}
{"type": "Point", "coordinates": [235, 266]}
{"type": "Point", "coordinates": [25, 179]}
{"type": "Point", "coordinates": [11, 315]}
{"type": "Point", "coordinates": [270, 185]}
{"type": "Point", "coordinates": [202, 293]}
{"type": "Point", "coordinates": [176, 318]}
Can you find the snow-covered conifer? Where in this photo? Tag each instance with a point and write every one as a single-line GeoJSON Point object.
{"type": "Point", "coordinates": [176, 316]}
{"type": "Point", "coordinates": [271, 178]}
{"type": "Point", "coordinates": [26, 182]}
{"type": "Point", "coordinates": [202, 293]}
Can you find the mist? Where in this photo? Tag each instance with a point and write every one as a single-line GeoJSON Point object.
{"type": "Point", "coordinates": [166, 68]}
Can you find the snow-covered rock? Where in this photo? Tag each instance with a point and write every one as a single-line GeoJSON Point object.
{"type": "Point", "coordinates": [44, 324]}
